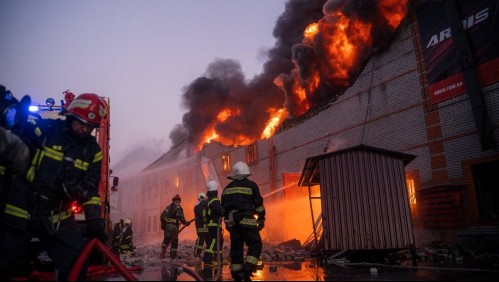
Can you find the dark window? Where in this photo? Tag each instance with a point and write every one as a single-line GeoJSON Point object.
{"type": "Point", "coordinates": [486, 179]}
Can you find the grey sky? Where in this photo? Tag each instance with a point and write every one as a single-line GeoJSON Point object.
{"type": "Point", "coordinates": [139, 53]}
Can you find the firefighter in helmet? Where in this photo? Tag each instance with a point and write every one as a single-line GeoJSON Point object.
{"type": "Point", "coordinates": [200, 210]}
{"type": "Point", "coordinates": [215, 236]}
{"type": "Point", "coordinates": [126, 244]}
{"type": "Point", "coordinates": [244, 217]}
{"type": "Point", "coordinates": [171, 218]}
{"type": "Point", "coordinates": [67, 168]}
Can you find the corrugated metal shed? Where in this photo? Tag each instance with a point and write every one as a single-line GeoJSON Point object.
{"type": "Point", "coordinates": [364, 198]}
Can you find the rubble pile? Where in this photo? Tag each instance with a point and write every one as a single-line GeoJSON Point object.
{"type": "Point", "coordinates": [147, 253]}
{"type": "Point", "coordinates": [291, 253]}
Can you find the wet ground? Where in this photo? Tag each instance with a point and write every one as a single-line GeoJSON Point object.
{"type": "Point", "coordinates": [297, 268]}
{"type": "Point", "coordinates": [309, 271]}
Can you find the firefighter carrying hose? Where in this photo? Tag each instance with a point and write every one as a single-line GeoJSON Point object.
{"type": "Point", "coordinates": [200, 210]}
{"type": "Point", "coordinates": [215, 236]}
{"type": "Point", "coordinates": [170, 218]}
{"type": "Point", "coordinates": [66, 167]}
{"type": "Point", "coordinates": [244, 217]}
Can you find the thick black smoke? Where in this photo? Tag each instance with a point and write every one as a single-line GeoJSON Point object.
{"type": "Point", "coordinates": [224, 83]}
{"type": "Point", "coordinates": [293, 62]}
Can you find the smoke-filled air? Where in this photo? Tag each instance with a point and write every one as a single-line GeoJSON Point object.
{"type": "Point", "coordinates": [320, 49]}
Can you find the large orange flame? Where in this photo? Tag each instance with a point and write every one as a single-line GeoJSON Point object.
{"type": "Point", "coordinates": [394, 11]}
{"type": "Point", "coordinates": [276, 119]}
{"type": "Point", "coordinates": [339, 45]}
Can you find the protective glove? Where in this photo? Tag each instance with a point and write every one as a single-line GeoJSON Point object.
{"type": "Point", "coordinates": [14, 153]}
{"type": "Point", "coordinates": [95, 229]}
{"type": "Point", "coordinates": [75, 190]}
{"type": "Point", "coordinates": [261, 223]}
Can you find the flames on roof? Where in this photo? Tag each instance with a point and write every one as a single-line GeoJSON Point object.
{"type": "Point", "coordinates": [321, 47]}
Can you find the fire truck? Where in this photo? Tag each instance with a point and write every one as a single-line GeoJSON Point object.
{"type": "Point", "coordinates": [102, 134]}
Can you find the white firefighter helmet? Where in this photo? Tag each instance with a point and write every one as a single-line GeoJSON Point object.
{"type": "Point", "coordinates": [128, 221]}
{"type": "Point", "coordinates": [201, 196]}
{"type": "Point", "coordinates": [212, 185]}
{"type": "Point", "coordinates": [240, 171]}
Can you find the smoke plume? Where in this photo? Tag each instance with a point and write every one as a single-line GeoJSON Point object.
{"type": "Point", "coordinates": [321, 47]}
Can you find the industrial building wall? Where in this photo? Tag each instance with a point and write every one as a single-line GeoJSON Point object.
{"type": "Point", "coordinates": [387, 107]}
{"type": "Point", "coordinates": [143, 197]}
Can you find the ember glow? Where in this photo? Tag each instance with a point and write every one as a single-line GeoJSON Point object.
{"type": "Point", "coordinates": [336, 39]}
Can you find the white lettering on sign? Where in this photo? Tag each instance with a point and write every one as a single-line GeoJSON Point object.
{"type": "Point", "coordinates": [467, 23]}
{"type": "Point", "coordinates": [447, 88]}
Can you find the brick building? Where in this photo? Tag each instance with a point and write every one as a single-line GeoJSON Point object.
{"type": "Point", "coordinates": [397, 103]}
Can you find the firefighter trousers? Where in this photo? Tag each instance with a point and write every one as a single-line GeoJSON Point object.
{"type": "Point", "coordinates": [170, 234]}
{"type": "Point", "coordinates": [200, 241]}
{"type": "Point", "coordinates": [211, 252]}
{"type": "Point", "coordinates": [239, 236]}
{"type": "Point", "coordinates": [14, 248]}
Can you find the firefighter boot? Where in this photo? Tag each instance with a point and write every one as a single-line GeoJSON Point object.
{"type": "Point", "coordinates": [240, 276]}
{"type": "Point", "coordinates": [173, 254]}
{"type": "Point", "coordinates": [248, 270]}
{"type": "Point", "coordinates": [163, 251]}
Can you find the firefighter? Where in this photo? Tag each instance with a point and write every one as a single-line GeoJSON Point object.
{"type": "Point", "coordinates": [14, 191]}
{"type": "Point", "coordinates": [214, 215]}
{"type": "Point", "coordinates": [67, 168]}
{"type": "Point", "coordinates": [244, 217]}
{"type": "Point", "coordinates": [126, 243]}
{"type": "Point", "coordinates": [14, 153]}
{"type": "Point", "coordinates": [170, 218]}
{"type": "Point", "coordinates": [116, 239]}
{"type": "Point", "coordinates": [200, 210]}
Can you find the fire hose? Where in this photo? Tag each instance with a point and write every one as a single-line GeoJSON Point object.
{"type": "Point", "coordinates": [219, 254]}
{"type": "Point", "coordinates": [189, 271]}
{"type": "Point", "coordinates": [176, 234]}
{"type": "Point", "coordinates": [85, 253]}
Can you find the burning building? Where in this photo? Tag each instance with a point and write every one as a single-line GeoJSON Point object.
{"type": "Point", "coordinates": [418, 80]}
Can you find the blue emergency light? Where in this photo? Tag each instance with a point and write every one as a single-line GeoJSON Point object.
{"type": "Point", "coordinates": [34, 108]}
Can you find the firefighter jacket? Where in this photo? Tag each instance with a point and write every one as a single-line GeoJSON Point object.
{"type": "Point", "coordinates": [13, 152]}
{"type": "Point", "coordinates": [200, 210]}
{"type": "Point", "coordinates": [66, 168]}
{"type": "Point", "coordinates": [241, 201]}
{"type": "Point", "coordinates": [215, 210]}
{"type": "Point", "coordinates": [15, 191]}
{"type": "Point", "coordinates": [172, 215]}
{"type": "Point", "coordinates": [126, 244]}
{"type": "Point", "coordinates": [117, 234]}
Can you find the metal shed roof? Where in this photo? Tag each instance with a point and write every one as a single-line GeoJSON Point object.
{"type": "Point", "coordinates": [310, 175]}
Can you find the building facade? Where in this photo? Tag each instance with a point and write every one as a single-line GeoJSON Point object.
{"type": "Point", "coordinates": [401, 102]}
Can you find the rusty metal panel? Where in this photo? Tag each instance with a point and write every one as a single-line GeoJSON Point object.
{"type": "Point", "coordinates": [364, 201]}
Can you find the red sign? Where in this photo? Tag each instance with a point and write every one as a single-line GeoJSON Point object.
{"type": "Point", "coordinates": [443, 68]}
